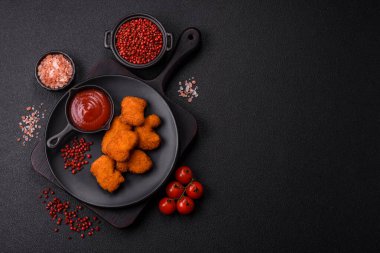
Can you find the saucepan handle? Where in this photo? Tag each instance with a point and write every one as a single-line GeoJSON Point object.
{"type": "Point", "coordinates": [170, 41]}
{"type": "Point", "coordinates": [107, 37]}
{"type": "Point", "coordinates": [53, 141]}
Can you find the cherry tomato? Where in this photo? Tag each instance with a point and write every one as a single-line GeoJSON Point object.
{"type": "Point", "coordinates": [167, 206]}
{"type": "Point", "coordinates": [185, 205]}
{"type": "Point", "coordinates": [184, 175]}
{"type": "Point", "coordinates": [174, 189]}
{"type": "Point", "coordinates": [194, 190]}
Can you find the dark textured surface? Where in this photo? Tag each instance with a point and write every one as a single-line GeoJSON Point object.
{"type": "Point", "coordinates": [288, 143]}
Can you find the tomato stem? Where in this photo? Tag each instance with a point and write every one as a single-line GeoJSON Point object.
{"type": "Point", "coordinates": [183, 193]}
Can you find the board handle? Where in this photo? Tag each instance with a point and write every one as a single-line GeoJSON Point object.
{"type": "Point", "coordinates": [188, 43]}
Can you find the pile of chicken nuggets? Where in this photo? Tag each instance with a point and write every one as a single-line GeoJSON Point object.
{"type": "Point", "coordinates": [125, 143]}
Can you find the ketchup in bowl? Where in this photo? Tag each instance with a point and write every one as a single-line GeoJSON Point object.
{"type": "Point", "coordinates": [89, 109]}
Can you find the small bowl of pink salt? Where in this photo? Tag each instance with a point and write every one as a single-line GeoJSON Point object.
{"type": "Point", "coordinates": [55, 70]}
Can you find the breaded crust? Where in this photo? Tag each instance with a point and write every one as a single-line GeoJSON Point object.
{"type": "Point", "coordinates": [148, 138]}
{"type": "Point", "coordinates": [152, 120]}
{"type": "Point", "coordinates": [107, 177]}
{"type": "Point", "coordinates": [122, 166]}
{"type": "Point", "coordinates": [119, 147]}
{"type": "Point", "coordinates": [111, 133]}
{"type": "Point", "coordinates": [132, 110]}
{"type": "Point", "coordinates": [139, 162]}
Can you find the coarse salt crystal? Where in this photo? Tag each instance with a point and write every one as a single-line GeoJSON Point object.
{"type": "Point", "coordinates": [55, 71]}
{"type": "Point", "coordinates": [29, 125]}
{"type": "Point", "coordinates": [188, 89]}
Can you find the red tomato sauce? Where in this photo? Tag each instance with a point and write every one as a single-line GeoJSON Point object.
{"type": "Point", "coordinates": [89, 109]}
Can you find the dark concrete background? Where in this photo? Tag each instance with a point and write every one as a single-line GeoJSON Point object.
{"type": "Point", "coordinates": [288, 112]}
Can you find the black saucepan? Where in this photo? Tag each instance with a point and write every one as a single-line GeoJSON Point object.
{"type": "Point", "coordinates": [136, 187]}
{"type": "Point", "coordinates": [53, 141]}
{"type": "Point", "coordinates": [110, 41]}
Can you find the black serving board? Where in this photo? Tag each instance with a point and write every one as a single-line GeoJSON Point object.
{"type": "Point", "coordinates": [188, 44]}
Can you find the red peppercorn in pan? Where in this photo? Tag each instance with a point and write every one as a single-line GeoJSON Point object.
{"type": "Point", "coordinates": [139, 41]}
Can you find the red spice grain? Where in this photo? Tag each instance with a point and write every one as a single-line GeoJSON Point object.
{"type": "Point", "coordinates": [61, 211]}
{"type": "Point", "coordinates": [139, 41]}
{"type": "Point", "coordinates": [74, 154]}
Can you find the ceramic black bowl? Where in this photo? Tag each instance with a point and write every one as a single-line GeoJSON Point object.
{"type": "Point", "coordinates": [110, 41]}
{"type": "Point", "coordinates": [38, 63]}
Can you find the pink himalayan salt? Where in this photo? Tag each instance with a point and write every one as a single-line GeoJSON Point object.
{"type": "Point", "coordinates": [55, 71]}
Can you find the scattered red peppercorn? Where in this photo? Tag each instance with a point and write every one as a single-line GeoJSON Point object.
{"type": "Point", "coordinates": [139, 41]}
{"type": "Point", "coordinates": [60, 211]}
{"type": "Point", "coordinates": [74, 155]}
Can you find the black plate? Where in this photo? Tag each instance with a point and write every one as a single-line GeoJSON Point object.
{"type": "Point", "coordinates": [136, 187]}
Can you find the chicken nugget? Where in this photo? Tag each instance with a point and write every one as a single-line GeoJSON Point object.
{"type": "Point", "coordinates": [148, 138]}
{"type": "Point", "coordinates": [139, 162]}
{"type": "Point", "coordinates": [122, 166]}
{"type": "Point", "coordinates": [107, 177]}
{"type": "Point", "coordinates": [152, 120]}
{"type": "Point", "coordinates": [119, 147]}
{"type": "Point", "coordinates": [132, 110]}
{"type": "Point", "coordinates": [116, 126]}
